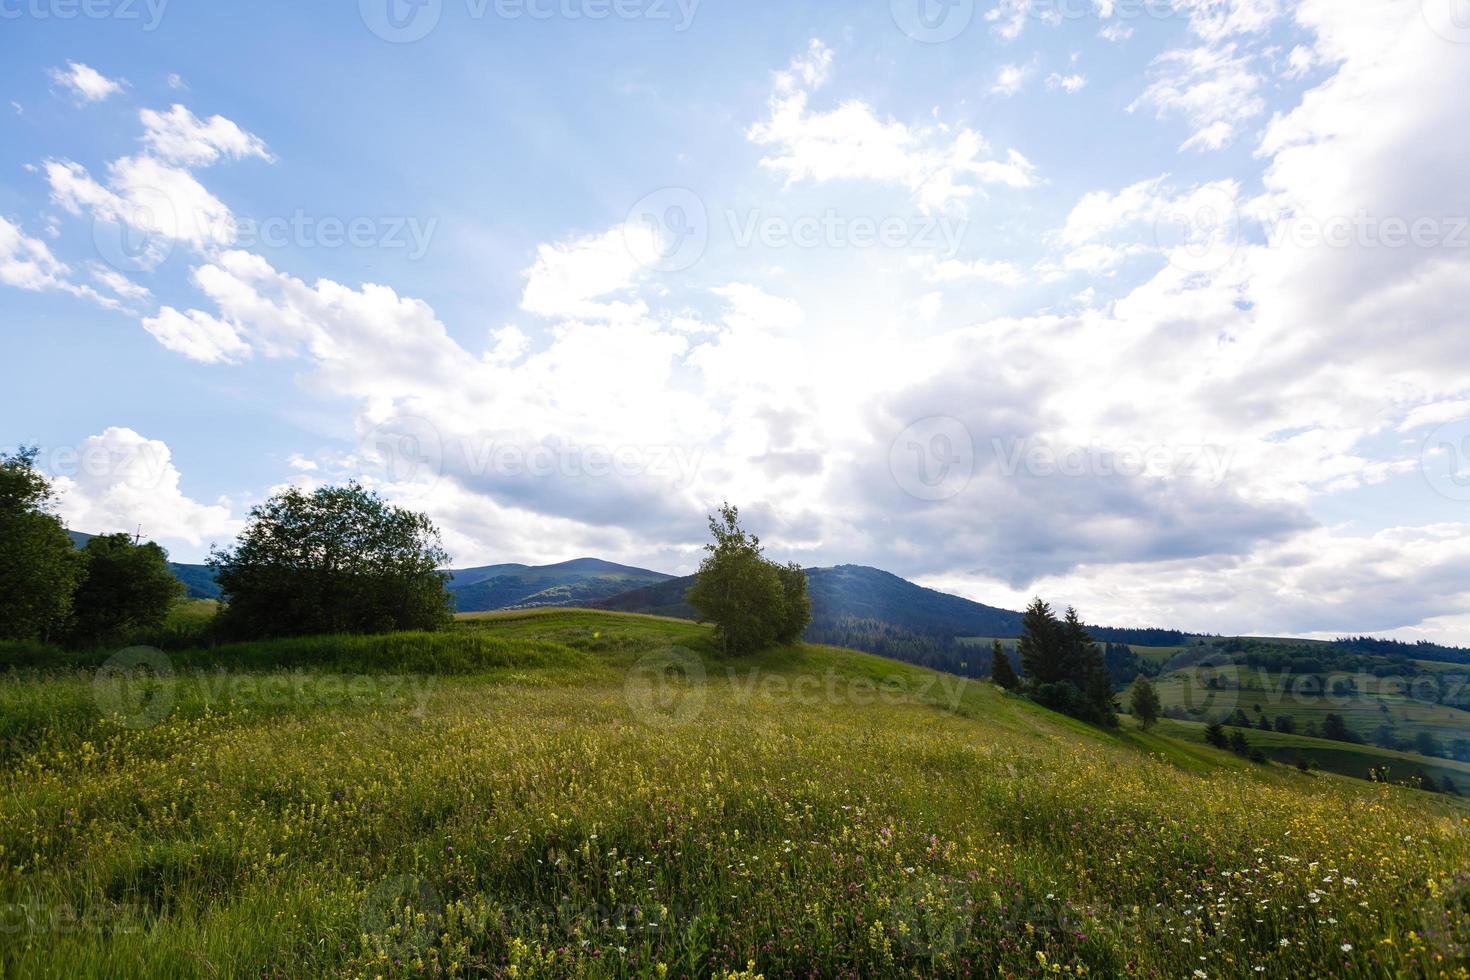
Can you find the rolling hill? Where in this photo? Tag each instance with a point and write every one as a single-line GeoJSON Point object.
{"type": "Point", "coordinates": [551, 793]}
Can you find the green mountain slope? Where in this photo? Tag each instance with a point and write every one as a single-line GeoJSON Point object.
{"type": "Point", "coordinates": [581, 582]}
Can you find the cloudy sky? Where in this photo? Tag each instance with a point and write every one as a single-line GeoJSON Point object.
{"type": "Point", "coordinates": [1158, 308]}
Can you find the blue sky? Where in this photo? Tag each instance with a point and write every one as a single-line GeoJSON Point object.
{"type": "Point", "coordinates": [1096, 299]}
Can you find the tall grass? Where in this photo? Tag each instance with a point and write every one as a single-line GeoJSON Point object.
{"type": "Point", "coordinates": [540, 822]}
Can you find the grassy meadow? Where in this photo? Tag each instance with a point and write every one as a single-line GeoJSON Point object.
{"type": "Point", "coordinates": [567, 794]}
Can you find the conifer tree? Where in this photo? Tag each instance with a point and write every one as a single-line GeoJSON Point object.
{"type": "Point", "coordinates": [1001, 671]}
{"type": "Point", "coordinates": [1144, 702]}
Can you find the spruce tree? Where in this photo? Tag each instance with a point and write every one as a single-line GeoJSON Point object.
{"type": "Point", "coordinates": [1215, 735]}
{"type": "Point", "coordinates": [1041, 645]}
{"type": "Point", "coordinates": [1001, 671]}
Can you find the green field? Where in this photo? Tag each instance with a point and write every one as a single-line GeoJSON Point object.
{"type": "Point", "coordinates": [579, 794]}
{"type": "Point", "coordinates": [1375, 703]}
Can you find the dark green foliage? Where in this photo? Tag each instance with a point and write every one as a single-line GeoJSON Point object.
{"type": "Point", "coordinates": [1041, 645]}
{"type": "Point", "coordinates": [796, 613]}
{"type": "Point", "coordinates": [1064, 668]}
{"type": "Point", "coordinates": [1286, 724]}
{"type": "Point", "coordinates": [337, 560]}
{"type": "Point", "coordinates": [39, 567]}
{"type": "Point", "coordinates": [745, 596]}
{"type": "Point", "coordinates": [127, 588]}
{"type": "Point", "coordinates": [1238, 743]}
{"type": "Point", "coordinates": [1144, 702]}
{"type": "Point", "coordinates": [1215, 735]}
{"type": "Point", "coordinates": [1335, 728]}
{"type": "Point", "coordinates": [1425, 743]}
{"type": "Point", "coordinates": [1001, 671]}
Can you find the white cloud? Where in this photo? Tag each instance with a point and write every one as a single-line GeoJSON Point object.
{"type": "Point", "coordinates": [119, 283]}
{"type": "Point", "coordinates": [179, 136]}
{"type": "Point", "coordinates": [1011, 79]}
{"type": "Point", "coordinates": [198, 336]}
{"type": "Point", "coordinates": [28, 263]}
{"type": "Point", "coordinates": [1215, 89]}
{"type": "Point", "coordinates": [570, 279]}
{"type": "Point", "coordinates": [86, 84]}
{"type": "Point", "coordinates": [956, 270]}
{"type": "Point", "coordinates": [1071, 84]}
{"type": "Point", "coordinates": [122, 480]}
{"type": "Point", "coordinates": [940, 167]}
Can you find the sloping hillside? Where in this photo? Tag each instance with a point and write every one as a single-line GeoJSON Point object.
{"type": "Point", "coordinates": [580, 582]}
{"type": "Point", "coordinates": [572, 794]}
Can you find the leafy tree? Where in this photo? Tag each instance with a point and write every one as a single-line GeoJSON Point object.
{"type": "Point", "coordinates": [1425, 743]}
{"type": "Point", "coordinates": [39, 567]}
{"type": "Point", "coordinates": [1335, 728]}
{"type": "Point", "coordinates": [1286, 724]}
{"type": "Point", "coordinates": [1001, 671]}
{"type": "Point", "coordinates": [737, 589]}
{"type": "Point", "coordinates": [127, 588]}
{"type": "Point", "coordinates": [1446, 785]}
{"type": "Point", "coordinates": [1145, 702]}
{"type": "Point", "coordinates": [336, 560]}
{"type": "Point", "coordinates": [796, 612]}
{"type": "Point", "coordinates": [1215, 735]}
{"type": "Point", "coordinates": [1239, 744]}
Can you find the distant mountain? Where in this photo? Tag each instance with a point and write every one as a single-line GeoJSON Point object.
{"type": "Point", "coordinates": [848, 593]}
{"type": "Point", "coordinates": [853, 591]}
{"type": "Point", "coordinates": [580, 582]}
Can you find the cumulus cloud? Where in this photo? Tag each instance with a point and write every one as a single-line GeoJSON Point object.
{"type": "Point", "coordinates": [119, 480]}
{"type": "Point", "coordinates": [198, 336]}
{"type": "Point", "coordinates": [939, 166]}
{"type": "Point", "coordinates": [181, 137]}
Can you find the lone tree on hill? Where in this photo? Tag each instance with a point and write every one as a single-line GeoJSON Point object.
{"type": "Point", "coordinates": [336, 560]}
{"type": "Point", "coordinates": [1144, 703]}
{"type": "Point", "coordinates": [128, 588]}
{"type": "Point", "coordinates": [39, 567]}
{"type": "Point", "coordinates": [1215, 735]}
{"type": "Point", "coordinates": [753, 602]}
{"type": "Point", "coordinates": [1001, 671]}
